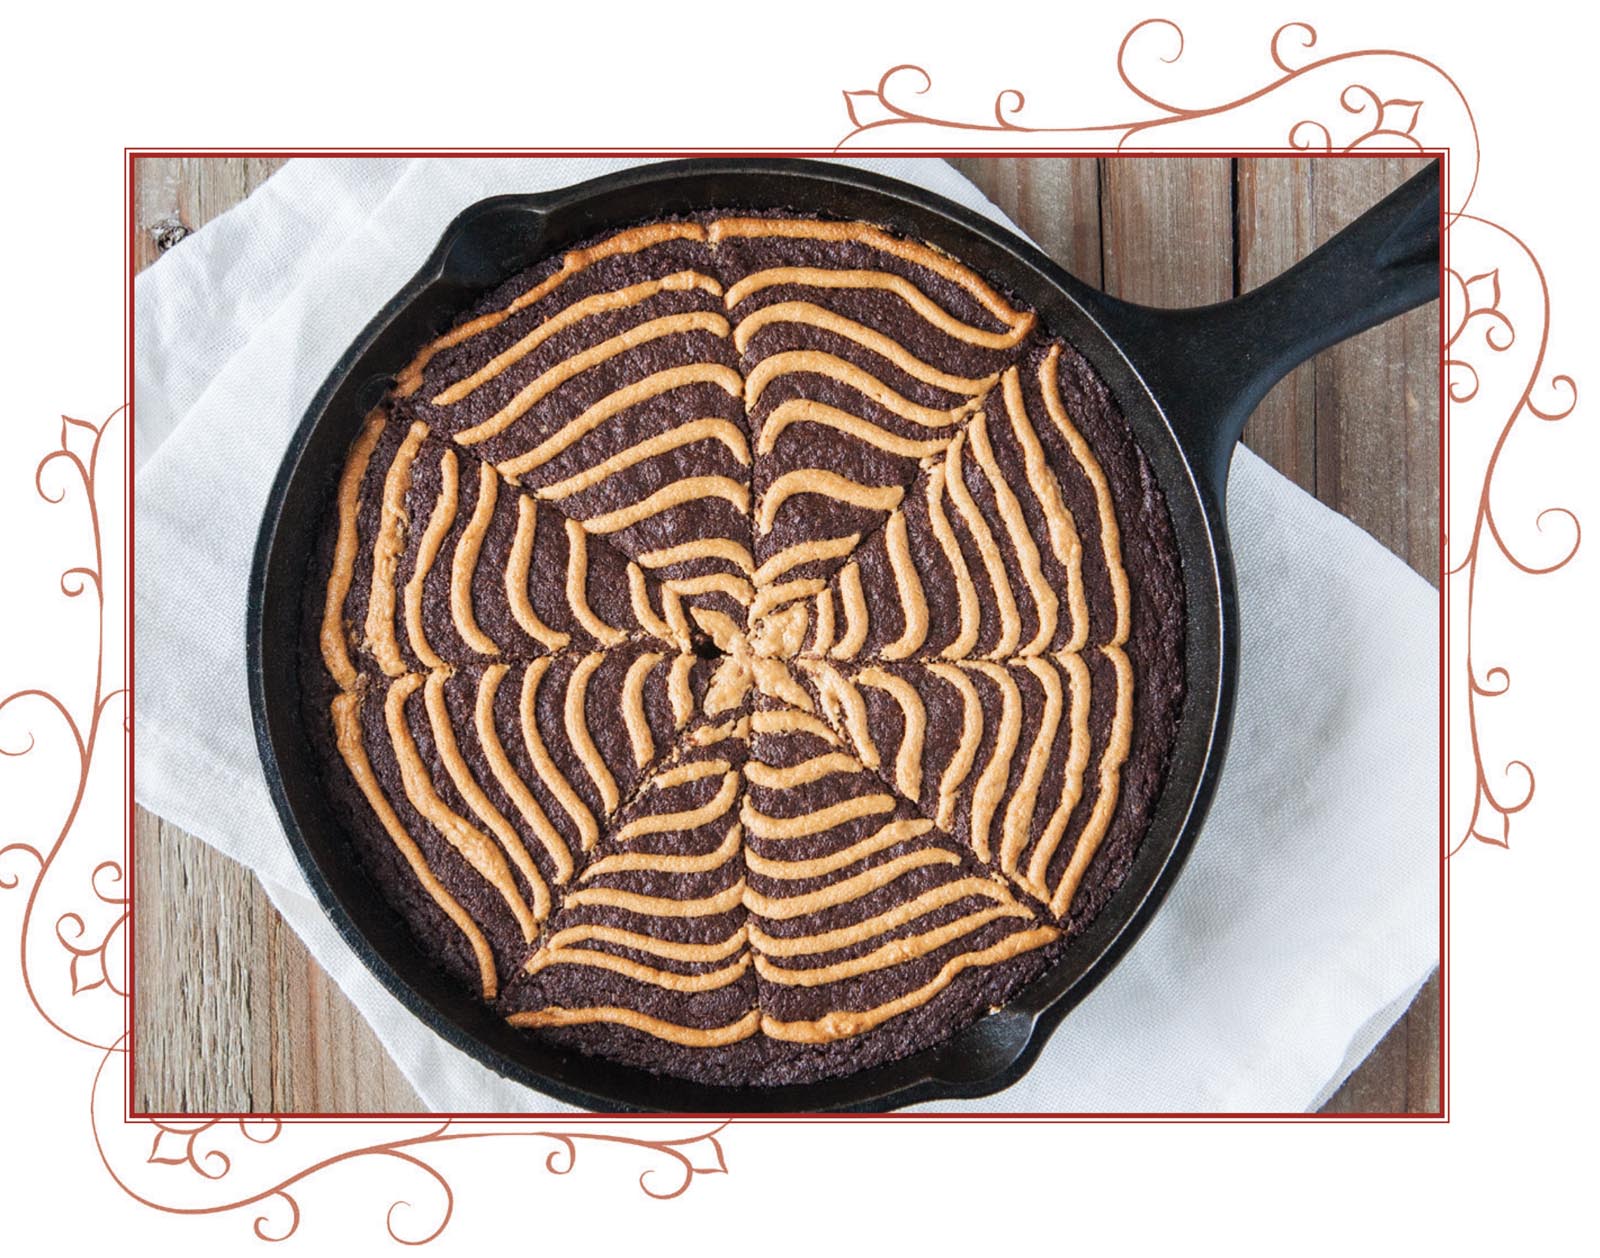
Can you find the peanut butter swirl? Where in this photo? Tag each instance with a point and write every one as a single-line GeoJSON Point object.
{"type": "Point", "coordinates": [869, 386]}
{"type": "Point", "coordinates": [386, 555]}
{"type": "Point", "coordinates": [689, 1037]}
{"type": "Point", "coordinates": [598, 304]}
{"type": "Point", "coordinates": [517, 570]}
{"type": "Point", "coordinates": [465, 565]}
{"type": "Point", "coordinates": [612, 406]}
{"type": "Point", "coordinates": [347, 727]}
{"type": "Point", "coordinates": [842, 1023]}
{"type": "Point", "coordinates": [335, 649]}
{"type": "Point", "coordinates": [510, 781]}
{"type": "Point", "coordinates": [782, 680]}
{"type": "Point", "coordinates": [568, 369]}
{"type": "Point", "coordinates": [805, 411]}
{"type": "Point", "coordinates": [634, 240]}
{"type": "Point", "coordinates": [444, 515]}
{"type": "Point", "coordinates": [480, 853]}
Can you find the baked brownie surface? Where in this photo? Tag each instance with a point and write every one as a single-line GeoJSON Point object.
{"type": "Point", "coordinates": [745, 647]}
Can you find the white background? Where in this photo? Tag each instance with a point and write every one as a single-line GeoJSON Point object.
{"type": "Point", "coordinates": [1508, 1170]}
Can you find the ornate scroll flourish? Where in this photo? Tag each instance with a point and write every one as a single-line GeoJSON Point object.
{"type": "Point", "coordinates": [1421, 107]}
{"type": "Point", "coordinates": [1475, 304]}
{"type": "Point", "coordinates": [200, 1171]}
{"type": "Point", "coordinates": [1357, 117]}
{"type": "Point", "coordinates": [89, 969]}
{"type": "Point", "coordinates": [161, 1163]}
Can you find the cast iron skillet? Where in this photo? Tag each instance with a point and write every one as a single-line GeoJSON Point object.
{"type": "Point", "coordinates": [1185, 379]}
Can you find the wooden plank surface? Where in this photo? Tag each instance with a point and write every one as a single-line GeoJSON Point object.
{"type": "Point", "coordinates": [232, 1012]}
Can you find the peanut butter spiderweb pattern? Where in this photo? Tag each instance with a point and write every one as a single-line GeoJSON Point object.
{"type": "Point", "coordinates": [729, 626]}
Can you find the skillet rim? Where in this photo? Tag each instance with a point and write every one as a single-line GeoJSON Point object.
{"type": "Point", "coordinates": [993, 1052]}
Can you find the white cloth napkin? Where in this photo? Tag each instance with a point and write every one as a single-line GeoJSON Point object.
{"type": "Point", "coordinates": [1307, 916]}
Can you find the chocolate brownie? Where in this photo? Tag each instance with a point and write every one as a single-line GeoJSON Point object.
{"type": "Point", "coordinates": [746, 647]}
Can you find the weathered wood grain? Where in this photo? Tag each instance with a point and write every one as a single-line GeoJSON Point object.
{"type": "Point", "coordinates": [1059, 200]}
{"type": "Point", "coordinates": [1166, 224]}
{"type": "Point", "coordinates": [176, 195]}
{"type": "Point", "coordinates": [232, 1014]}
{"type": "Point", "coordinates": [1275, 229]}
{"type": "Point", "coordinates": [1384, 480]}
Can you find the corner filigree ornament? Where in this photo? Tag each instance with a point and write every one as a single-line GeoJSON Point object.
{"type": "Point", "coordinates": [71, 950]}
{"type": "Point", "coordinates": [260, 1168]}
{"type": "Point", "coordinates": [1497, 302]}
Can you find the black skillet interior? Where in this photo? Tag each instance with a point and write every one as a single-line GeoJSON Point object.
{"type": "Point", "coordinates": [1206, 369]}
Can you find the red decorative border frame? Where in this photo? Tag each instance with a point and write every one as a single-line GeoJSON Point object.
{"type": "Point", "coordinates": [198, 1167]}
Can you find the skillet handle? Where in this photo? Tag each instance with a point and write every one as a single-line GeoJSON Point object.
{"type": "Point", "coordinates": [1209, 367]}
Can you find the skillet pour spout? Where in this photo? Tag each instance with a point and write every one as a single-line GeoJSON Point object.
{"type": "Point", "coordinates": [1185, 381]}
